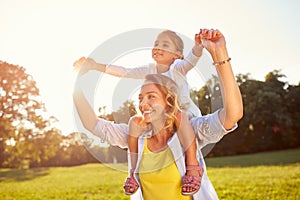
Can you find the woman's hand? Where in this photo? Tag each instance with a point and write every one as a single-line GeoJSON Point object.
{"type": "Point", "coordinates": [214, 42]}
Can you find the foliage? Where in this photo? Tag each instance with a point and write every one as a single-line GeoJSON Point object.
{"type": "Point", "coordinates": [26, 133]}
{"type": "Point", "coordinates": [122, 115]}
{"type": "Point", "coordinates": [271, 117]}
{"type": "Point", "coordinates": [208, 98]}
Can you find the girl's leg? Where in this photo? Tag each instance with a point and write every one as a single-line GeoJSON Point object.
{"type": "Point", "coordinates": [133, 150]}
{"type": "Point", "coordinates": [188, 141]}
{"type": "Point", "coordinates": [187, 137]}
{"type": "Point", "coordinates": [131, 185]}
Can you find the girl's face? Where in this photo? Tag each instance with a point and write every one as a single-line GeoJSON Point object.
{"type": "Point", "coordinates": [164, 51]}
{"type": "Point", "coordinates": [152, 103]}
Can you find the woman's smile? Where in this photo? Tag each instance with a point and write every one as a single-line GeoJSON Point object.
{"type": "Point", "coordinates": [147, 113]}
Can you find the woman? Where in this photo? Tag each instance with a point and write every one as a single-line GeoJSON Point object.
{"type": "Point", "coordinates": [167, 53]}
{"type": "Point", "coordinates": [164, 144]}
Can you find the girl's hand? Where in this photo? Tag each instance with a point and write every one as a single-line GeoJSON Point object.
{"type": "Point", "coordinates": [83, 65]}
{"type": "Point", "coordinates": [198, 39]}
{"type": "Point", "coordinates": [198, 48]}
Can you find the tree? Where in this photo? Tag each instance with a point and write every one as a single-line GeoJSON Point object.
{"type": "Point", "coordinates": [123, 114]}
{"type": "Point", "coordinates": [292, 100]}
{"type": "Point", "coordinates": [208, 98]}
{"type": "Point", "coordinates": [27, 134]}
{"type": "Point", "coordinates": [271, 117]}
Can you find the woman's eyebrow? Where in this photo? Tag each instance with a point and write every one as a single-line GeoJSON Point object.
{"type": "Point", "coordinates": [150, 92]}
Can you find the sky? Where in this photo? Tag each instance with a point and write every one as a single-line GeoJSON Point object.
{"type": "Point", "coordinates": [47, 36]}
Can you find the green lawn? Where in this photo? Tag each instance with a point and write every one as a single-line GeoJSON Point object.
{"type": "Point", "coordinates": [274, 175]}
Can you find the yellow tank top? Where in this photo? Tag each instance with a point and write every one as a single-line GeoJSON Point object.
{"type": "Point", "coordinates": [159, 176]}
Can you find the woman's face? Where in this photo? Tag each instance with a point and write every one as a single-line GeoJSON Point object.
{"type": "Point", "coordinates": [152, 103]}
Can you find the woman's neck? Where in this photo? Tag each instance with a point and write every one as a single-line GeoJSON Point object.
{"type": "Point", "coordinates": [159, 138]}
{"type": "Point", "coordinates": [158, 126]}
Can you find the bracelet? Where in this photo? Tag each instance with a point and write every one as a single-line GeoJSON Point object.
{"type": "Point", "coordinates": [221, 62]}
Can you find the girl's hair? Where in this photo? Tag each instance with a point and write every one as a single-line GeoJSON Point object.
{"type": "Point", "coordinates": [170, 89]}
{"type": "Point", "coordinates": [176, 40]}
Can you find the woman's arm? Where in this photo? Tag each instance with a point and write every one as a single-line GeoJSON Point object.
{"type": "Point", "coordinates": [86, 113]}
{"type": "Point", "coordinates": [232, 112]}
{"type": "Point", "coordinates": [114, 134]}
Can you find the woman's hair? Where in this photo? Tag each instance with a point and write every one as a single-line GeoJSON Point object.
{"type": "Point", "coordinates": [176, 40]}
{"type": "Point", "coordinates": [170, 89]}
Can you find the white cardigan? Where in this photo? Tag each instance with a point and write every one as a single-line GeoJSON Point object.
{"type": "Point", "coordinates": [208, 130]}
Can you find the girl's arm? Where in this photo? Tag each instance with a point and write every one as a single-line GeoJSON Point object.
{"type": "Point", "coordinates": [191, 60]}
{"type": "Point", "coordinates": [87, 64]}
{"type": "Point", "coordinates": [232, 112]}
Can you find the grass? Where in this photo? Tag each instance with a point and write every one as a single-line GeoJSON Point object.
{"type": "Point", "coordinates": [284, 157]}
{"type": "Point", "coordinates": [92, 181]}
{"type": "Point", "coordinates": [273, 175]}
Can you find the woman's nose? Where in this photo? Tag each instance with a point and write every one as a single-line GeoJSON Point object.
{"type": "Point", "coordinates": [143, 105]}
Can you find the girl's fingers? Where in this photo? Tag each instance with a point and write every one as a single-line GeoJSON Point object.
{"type": "Point", "coordinates": [203, 33]}
{"type": "Point", "coordinates": [197, 38]}
{"type": "Point", "coordinates": [79, 62]}
{"type": "Point", "coordinates": [76, 63]}
{"type": "Point", "coordinates": [82, 59]}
